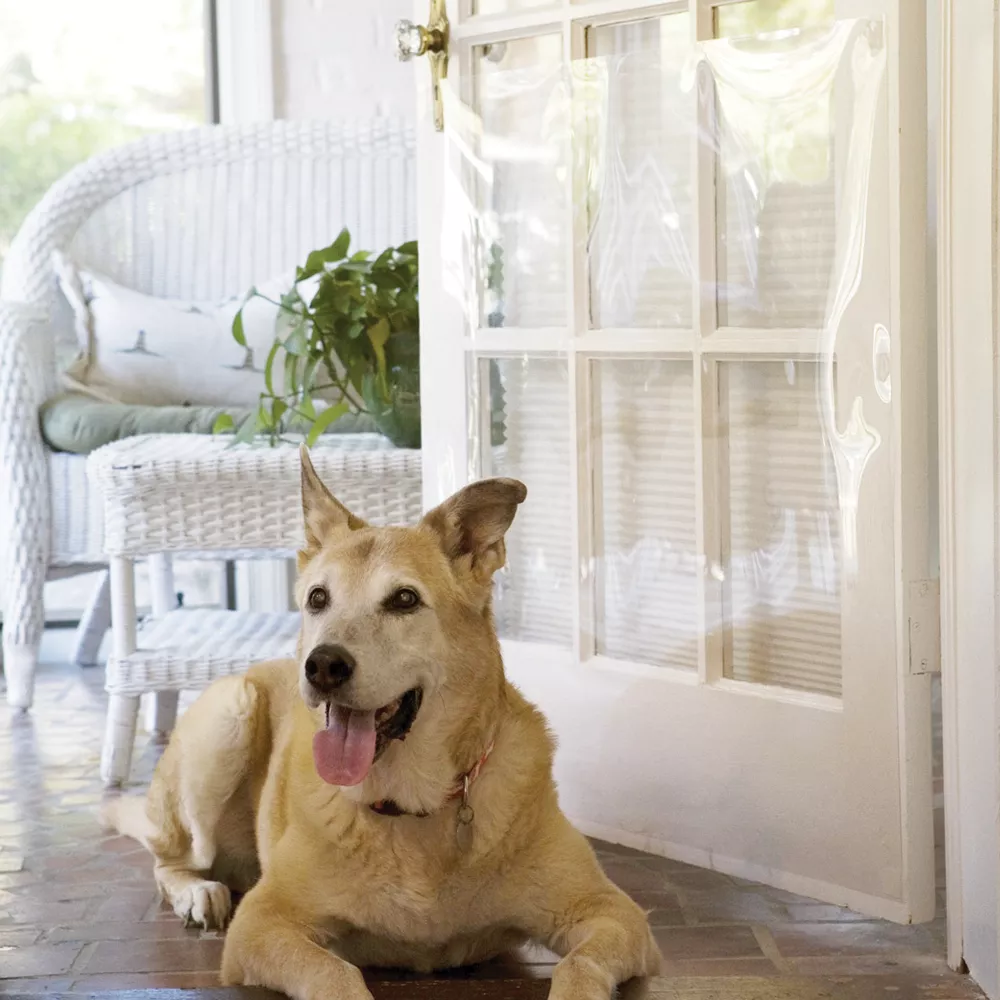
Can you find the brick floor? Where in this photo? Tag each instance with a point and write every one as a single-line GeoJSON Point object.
{"type": "Point", "coordinates": [78, 909]}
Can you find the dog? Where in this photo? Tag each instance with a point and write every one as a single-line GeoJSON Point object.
{"type": "Point", "coordinates": [385, 799]}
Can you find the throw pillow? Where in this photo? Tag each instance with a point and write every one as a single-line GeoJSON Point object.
{"type": "Point", "coordinates": [136, 348]}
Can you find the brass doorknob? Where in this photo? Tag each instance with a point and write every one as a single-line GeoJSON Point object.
{"type": "Point", "coordinates": [431, 41]}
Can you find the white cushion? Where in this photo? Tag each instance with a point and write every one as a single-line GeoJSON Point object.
{"type": "Point", "coordinates": [136, 348]}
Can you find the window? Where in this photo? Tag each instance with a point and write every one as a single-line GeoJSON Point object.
{"type": "Point", "coordinates": [78, 78]}
{"type": "Point", "coordinates": [680, 322]}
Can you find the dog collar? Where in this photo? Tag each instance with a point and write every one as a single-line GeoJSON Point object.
{"type": "Point", "coordinates": [460, 790]}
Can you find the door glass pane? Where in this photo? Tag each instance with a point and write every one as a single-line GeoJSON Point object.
{"type": "Point", "coordinates": [640, 229]}
{"type": "Point", "coordinates": [524, 408]}
{"type": "Point", "coordinates": [755, 16]}
{"type": "Point", "coordinates": [782, 587]}
{"type": "Point", "coordinates": [508, 6]}
{"type": "Point", "coordinates": [776, 194]}
{"type": "Point", "coordinates": [647, 552]}
{"type": "Point", "coordinates": [520, 185]}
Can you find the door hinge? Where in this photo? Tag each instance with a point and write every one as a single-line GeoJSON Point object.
{"type": "Point", "coordinates": [925, 627]}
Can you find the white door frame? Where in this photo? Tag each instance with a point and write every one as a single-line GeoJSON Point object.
{"type": "Point", "coordinates": [246, 60]}
{"type": "Point", "coordinates": [245, 40]}
{"type": "Point", "coordinates": [968, 476]}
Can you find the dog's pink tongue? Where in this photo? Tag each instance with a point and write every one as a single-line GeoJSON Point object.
{"type": "Point", "coordinates": [345, 751]}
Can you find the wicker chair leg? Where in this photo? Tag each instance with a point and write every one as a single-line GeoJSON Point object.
{"type": "Point", "coordinates": [25, 510]}
{"type": "Point", "coordinates": [161, 708]}
{"type": "Point", "coordinates": [19, 664]}
{"type": "Point", "coordinates": [94, 625]}
{"type": "Point", "coordinates": [123, 710]}
{"type": "Point", "coordinates": [119, 739]}
{"type": "Point", "coordinates": [24, 620]}
{"type": "Point", "coordinates": [163, 595]}
{"type": "Point", "coordinates": [163, 713]}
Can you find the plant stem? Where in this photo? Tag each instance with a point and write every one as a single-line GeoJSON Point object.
{"type": "Point", "coordinates": [331, 369]}
{"type": "Point", "coordinates": [280, 305]}
{"type": "Point", "coordinates": [359, 408]}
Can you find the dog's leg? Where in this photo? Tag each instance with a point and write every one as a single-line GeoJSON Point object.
{"type": "Point", "coordinates": [606, 940]}
{"type": "Point", "coordinates": [217, 745]}
{"type": "Point", "coordinates": [192, 798]}
{"type": "Point", "coordinates": [195, 899]}
{"type": "Point", "coordinates": [269, 945]}
{"type": "Point", "coordinates": [603, 936]}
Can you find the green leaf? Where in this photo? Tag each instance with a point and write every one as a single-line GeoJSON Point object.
{"type": "Point", "coordinates": [223, 422]}
{"type": "Point", "coordinates": [308, 375]}
{"type": "Point", "coordinates": [238, 334]}
{"type": "Point", "coordinates": [269, 366]}
{"type": "Point", "coordinates": [247, 430]}
{"type": "Point", "coordinates": [290, 314]}
{"type": "Point", "coordinates": [327, 417]}
{"type": "Point", "coordinates": [338, 248]}
{"type": "Point", "coordinates": [291, 373]}
{"type": "Point", "coordinates": [278, 410]}
{"type": "Point", "coordinates": [297, 341]}
{"type": "Point", "coordinates": [409, 249]}
{"type": "Point", "coordinates": [318, 259]}
{"type": "Point", "coordinates": [378, 333]}
{"type": "Point", "coordinates": [386, 279]}
{"type": "Point", "coordinates": [307, 407]}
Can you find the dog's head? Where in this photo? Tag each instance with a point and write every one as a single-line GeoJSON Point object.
{"type": "Point", "coordinates": [392, 617]}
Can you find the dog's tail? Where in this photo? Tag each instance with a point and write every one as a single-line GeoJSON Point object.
{"type": "Point", "coordinates": [127, 815]}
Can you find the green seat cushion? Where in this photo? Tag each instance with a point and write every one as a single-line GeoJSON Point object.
{"type": "Point", "coordinates": [79, 424]}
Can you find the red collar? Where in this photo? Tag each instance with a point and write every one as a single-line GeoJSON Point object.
{"type": "Point", "coordinates": [460, 790]}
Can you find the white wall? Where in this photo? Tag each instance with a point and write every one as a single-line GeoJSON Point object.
{"type": "Point", "coordinates": [969, 501]}
{"type": "Point", "coordinates": [335, 59]}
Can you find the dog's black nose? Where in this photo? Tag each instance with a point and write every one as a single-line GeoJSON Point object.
{"type": "Point", "coordinates": [328, 667]}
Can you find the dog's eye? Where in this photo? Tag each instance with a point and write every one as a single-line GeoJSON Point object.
{"type": "Point", "coordinates": [404, 599]}
{"type": "Point", "coordinates": [318, 599]}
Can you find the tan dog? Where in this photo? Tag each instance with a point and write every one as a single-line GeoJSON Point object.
{"type": "Point", "coordinates": [387, 799]}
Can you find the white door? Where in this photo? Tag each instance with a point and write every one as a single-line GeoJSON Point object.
{"type": "Point", "coordinates": [672, 278]}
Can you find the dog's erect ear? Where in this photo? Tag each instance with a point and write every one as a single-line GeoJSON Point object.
{"type": "Point", "coordinates": [322, 511]}
{"type": "Point", "coordinates": [471, 524]}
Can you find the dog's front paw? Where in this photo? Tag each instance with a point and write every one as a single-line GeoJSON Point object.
{"type": "Point", "coordinates": [206, 904]}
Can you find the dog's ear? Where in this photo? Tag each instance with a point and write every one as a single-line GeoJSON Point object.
{"type": "Point", "coordinates": [322, 511]}
{"type": "Point", "coordinates": [472, 523]}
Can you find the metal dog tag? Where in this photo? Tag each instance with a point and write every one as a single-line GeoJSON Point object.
{"type": "Point", "coordinates": [463, 832]}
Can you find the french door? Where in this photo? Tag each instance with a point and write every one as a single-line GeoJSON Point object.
{"type": "Point", "coordinates": [672, 278]}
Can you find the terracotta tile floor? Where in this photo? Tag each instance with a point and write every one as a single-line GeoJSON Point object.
{"type": "Point", "coordinates": [78, 910]}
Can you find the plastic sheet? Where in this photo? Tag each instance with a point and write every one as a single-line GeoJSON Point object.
{"type": "Point", "coordinates": [678, 336]}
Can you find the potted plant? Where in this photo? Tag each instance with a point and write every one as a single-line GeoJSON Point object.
{"type": "Point", "coordinates": [347, 339]}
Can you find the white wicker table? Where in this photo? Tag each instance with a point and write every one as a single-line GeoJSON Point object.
{"type": "Point", "coordinates": [201, 495]}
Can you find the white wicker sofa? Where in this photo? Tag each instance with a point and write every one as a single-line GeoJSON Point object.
{"type": "Point", "coordinates": [206, 214]}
